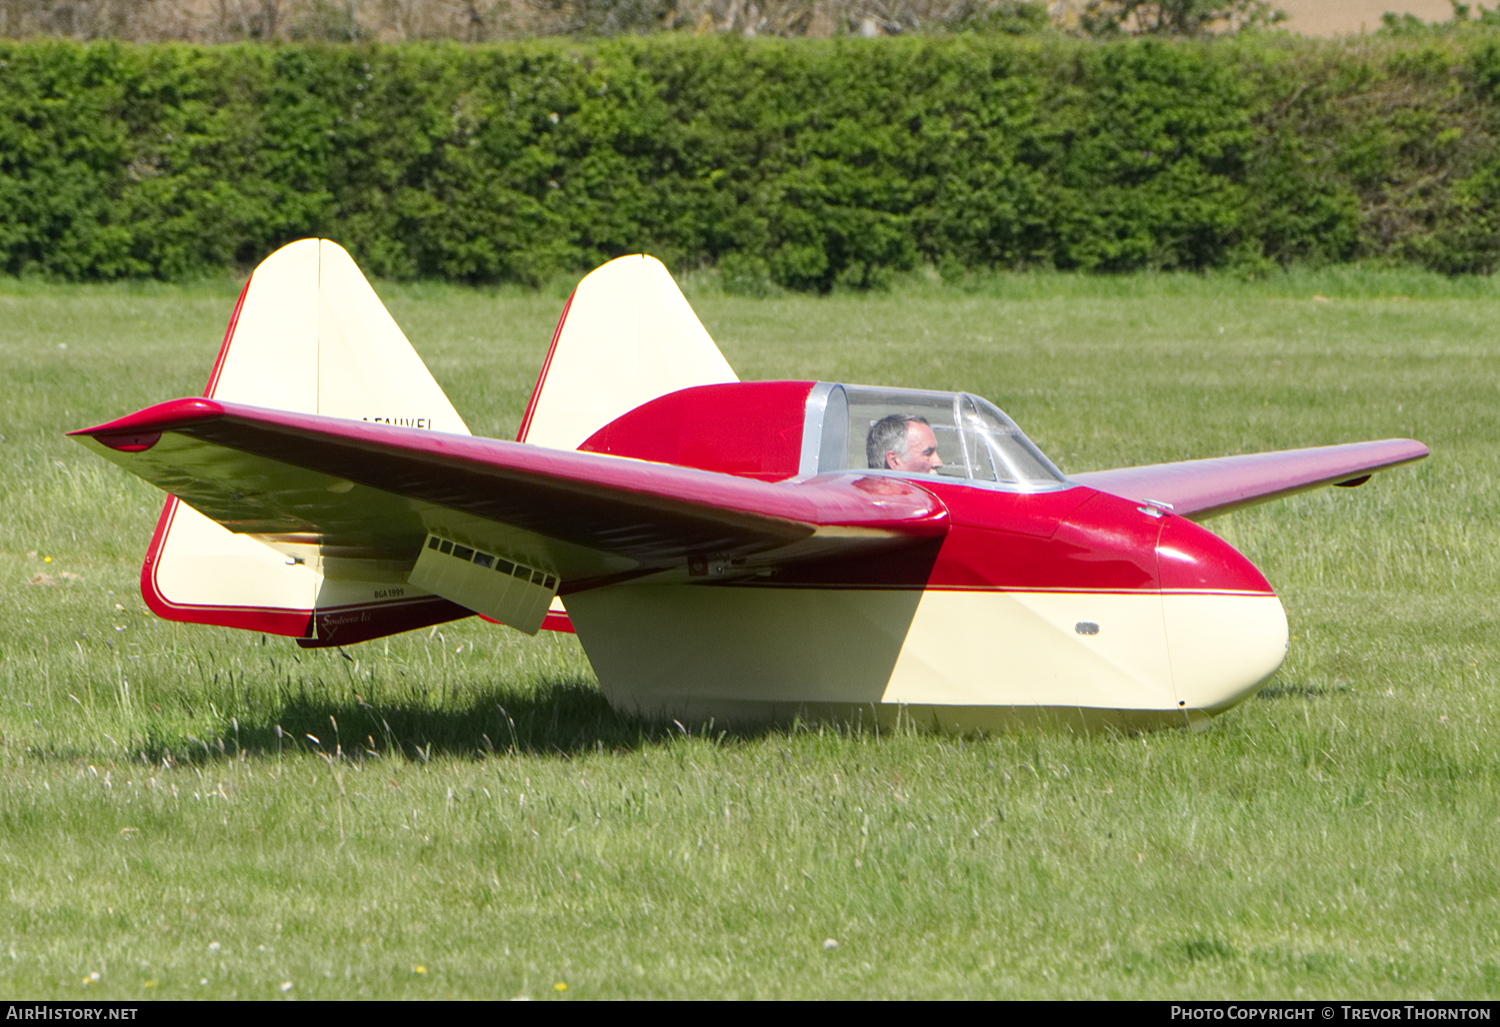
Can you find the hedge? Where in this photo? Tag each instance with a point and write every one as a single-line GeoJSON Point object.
{"type": "Point", "coordinates": [811, 164]}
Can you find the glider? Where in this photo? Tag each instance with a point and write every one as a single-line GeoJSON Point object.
{"type": "Point", "coordinates": [745, 551]}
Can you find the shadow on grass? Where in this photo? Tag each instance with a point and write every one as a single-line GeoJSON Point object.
{"type": "Point", "coordinates": [560, 718]}
{"type": "Point", "coordinates": [1298, 690]}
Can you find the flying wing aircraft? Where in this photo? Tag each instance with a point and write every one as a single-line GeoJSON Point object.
{"type": "Point", "coordinates": [746, 551]}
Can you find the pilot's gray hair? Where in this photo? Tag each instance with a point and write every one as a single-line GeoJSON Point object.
{"type": "Point", "coordinates": [889, 434]}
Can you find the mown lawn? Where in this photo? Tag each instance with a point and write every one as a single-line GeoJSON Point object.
{"type": "Point", "coordinates": [190, 812]}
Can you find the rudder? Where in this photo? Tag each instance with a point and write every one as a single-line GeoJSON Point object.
{"type": "Point", "coordinates": [626, 336]}
{"type": "Point", "coordinates": [308, 335]}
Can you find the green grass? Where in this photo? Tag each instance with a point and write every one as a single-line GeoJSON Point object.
{"type": "Point", "coordinates": [473, 821]}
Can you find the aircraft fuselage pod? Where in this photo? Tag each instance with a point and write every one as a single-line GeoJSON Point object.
{"type": "Point", "coordinates": [1045, 599]}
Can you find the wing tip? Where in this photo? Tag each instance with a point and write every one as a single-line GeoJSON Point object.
{"type": "Point", "coordinates": [158, 418]}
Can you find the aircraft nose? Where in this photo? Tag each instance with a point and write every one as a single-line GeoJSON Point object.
{"type": "Point", "coordinates": [1226, 630]}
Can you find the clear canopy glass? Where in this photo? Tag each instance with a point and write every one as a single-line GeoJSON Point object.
{"type": "Point", "coordinates": [975, 440]}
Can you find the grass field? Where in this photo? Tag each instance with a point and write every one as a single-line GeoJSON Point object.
{"type": "Point", "coordinates": [190, 812]}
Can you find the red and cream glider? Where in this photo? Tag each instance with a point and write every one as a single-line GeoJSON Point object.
{"type": "Point", "coordinates": [722, 547]}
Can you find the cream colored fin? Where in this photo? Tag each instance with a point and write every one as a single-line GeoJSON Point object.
{"type": "Point", "coordinates": [202, 565]}
{"type": "Point", "coordinates": [269, 356]}
{"type": "Point", "coordinates": [367, 370]}
{"type": "Point", "coordinates": [313, 337]}
{"type": "Point", "coordinates": [310, 336]}
{"type": "Point", "coordinates": [627, 337]}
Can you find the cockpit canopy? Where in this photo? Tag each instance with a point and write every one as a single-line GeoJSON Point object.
{"type": "Point", "coordinates": [778, 430]}
{"type": "Point", "coordinates": [975, 440]}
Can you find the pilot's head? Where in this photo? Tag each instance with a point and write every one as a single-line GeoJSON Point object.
{"type": "Point", "coordinates": [903, 442]}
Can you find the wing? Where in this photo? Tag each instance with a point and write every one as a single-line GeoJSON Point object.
{"type": "Point", "coordinates": [1200, 489]}
{"type": "Point", "coordinates": [378, 496]}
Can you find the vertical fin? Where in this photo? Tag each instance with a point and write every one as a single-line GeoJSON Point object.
{"type": "Point", "coordinates": [626, 337]}
{"type": "Point", "coordinates": [308, 335]}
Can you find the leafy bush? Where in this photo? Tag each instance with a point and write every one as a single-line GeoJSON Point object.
{"type": "Point", "coordinates": [806, 165]}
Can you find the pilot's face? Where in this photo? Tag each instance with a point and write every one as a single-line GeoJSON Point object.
{"type": "Point", "coordinates": [921, 451]}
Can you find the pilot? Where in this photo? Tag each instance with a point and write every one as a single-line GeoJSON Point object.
{"type": "Point", "coordinates": [903, 442]}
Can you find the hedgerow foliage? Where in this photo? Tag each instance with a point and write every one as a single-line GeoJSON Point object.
{"type": "Point", "coordinates": [807, 164]}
